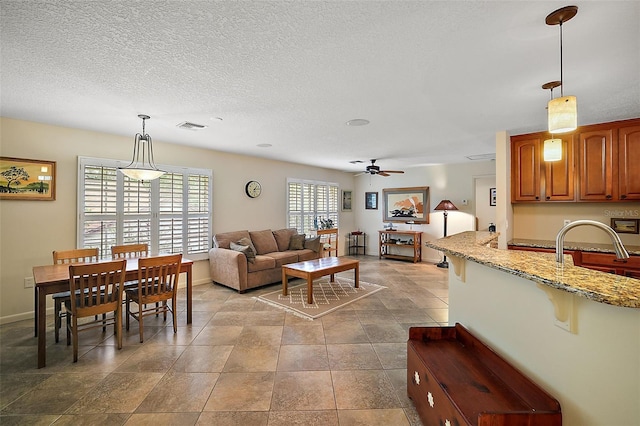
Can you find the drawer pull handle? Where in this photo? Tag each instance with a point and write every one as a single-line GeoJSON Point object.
{"type": "Point", "coordinates": [416, 378]}
{"type": "Point", "coordinates": [430, 399]}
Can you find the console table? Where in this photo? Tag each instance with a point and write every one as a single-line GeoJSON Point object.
{"type": "Point", "coordinates": [397, 245]}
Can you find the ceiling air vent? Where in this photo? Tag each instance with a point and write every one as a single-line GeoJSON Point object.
{"type": "Point", "coordinates": [491, 156]}
{"type": "Point", "coordinates": [191, 126]}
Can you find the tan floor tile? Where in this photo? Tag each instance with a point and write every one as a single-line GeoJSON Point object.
{"type": "Point", "coordinates": [391, 355]}
{"type": "Point", "coordinates": [303, 390]}
{"type": "Point", "coordinates": [92, 419]}
{"type": "Point", "coordinates": [32, 420]}
{"type": "Point", "coordinates": [252, 358]}
{"type": "Point", "coordinates": [360, 356]}
{"type": "Point", "coordinates": [260, 335]}
{"type": "Point", "coordinates": [303, 357]}
{"type": "Point", "coordinates": [154, 419]}
{"type": "Point", "coordinates": [395, 417]}
{"type": "Point", "coordinates": [203, 359]}
{"type": "Point", "coordinates": [303, 418]}
{"type": "Point", "coordinates": [178, 392]}
{"type": "Point", "coordinates": [303, 334]}
{"type": "Point", "coordinates": [347, 332]}
{"type": "Point", "coordinates": [108, 396]}
{"type": "Point", "coordinates": [55, 394]}
{"type": "Point", "coordinates": [242, 392]}
{"type": "Point", "coordinates": [152, 358]}
{"type": "Point", "coordinates": [12, 386]}
{"type": "Point", "coordinates": [386, 333]}
{"type": "Point", "coordinates": [234, 418]}
{"type": "Point", "coordinates": [363, 389]}
{"type": "Point", "coordinates": [218, 335]}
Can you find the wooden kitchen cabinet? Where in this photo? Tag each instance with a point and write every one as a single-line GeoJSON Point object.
{"type": "Point", "coordinates": [535, 180]}
{"type": "Point", "coordinates": [599, 164]}
{"type": "Point", "coordinates": [629, 162]}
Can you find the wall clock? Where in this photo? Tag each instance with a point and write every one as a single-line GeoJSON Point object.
{"type": "Point", "coordinates": [253, 189]}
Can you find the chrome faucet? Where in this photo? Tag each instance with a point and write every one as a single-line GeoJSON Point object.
{"type": "Point", "coordinates": [621, 252]}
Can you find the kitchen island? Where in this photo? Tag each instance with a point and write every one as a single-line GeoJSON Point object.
{"type": "Point", "coordinates": [574, 331]}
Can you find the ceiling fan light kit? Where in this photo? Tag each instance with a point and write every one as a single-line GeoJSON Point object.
{"type": "Point", "coordinates": [562, 111]}
{"type": "Point", "coordinates": [142, 166]}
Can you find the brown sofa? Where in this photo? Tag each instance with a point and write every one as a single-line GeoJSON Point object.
{"type": "Point", "coordinates": [231, 263]}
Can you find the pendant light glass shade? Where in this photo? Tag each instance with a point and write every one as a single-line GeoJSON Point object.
{"type": "Point", "coordinates": [552, 150]}
{"type": "Point", "coordinates": [563, 114]}
{"type": "Point", "coordinates": [142, 166]}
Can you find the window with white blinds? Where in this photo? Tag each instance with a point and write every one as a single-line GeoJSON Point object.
{"type": "Point", "coordinates": [171, 214]}
{"type": "Point", "coordinates": [308, 202]}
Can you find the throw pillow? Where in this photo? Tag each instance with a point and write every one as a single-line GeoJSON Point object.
{"type": "Point", "coordinates": [246, 241]}
{"type": "Point", "coordinates": [313, 244]}
{"type": "Point", "coordinates": [297, 242]}
{"type": "Point", "coordinates": [246, 250]}
{"type": "Point", "coordinates": [264, 241]}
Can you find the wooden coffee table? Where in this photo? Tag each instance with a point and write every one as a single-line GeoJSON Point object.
{"type": "Point", "coordinates": [312, 269]}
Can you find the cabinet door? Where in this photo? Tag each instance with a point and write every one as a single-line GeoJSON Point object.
{"type": "Point", "coordinates": [629, 163]}
{"type": "Point", "coordinates": [559, 175]}
{"type": "Point", "coordinates": [597, 152]}
{"type": "Point", "coordinates": [525, 169]}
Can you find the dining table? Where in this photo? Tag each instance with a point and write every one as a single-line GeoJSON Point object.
{"type": "Point", "coordinates": [50, 279]}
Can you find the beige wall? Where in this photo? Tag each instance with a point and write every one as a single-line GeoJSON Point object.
{"type": "Point", "coordinates": [31, 230]}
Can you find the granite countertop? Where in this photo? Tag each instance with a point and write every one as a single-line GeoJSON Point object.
{"type": "Point", "coordinates": [542, 268]}
{"type": "Point", "coordinates": [592, 247]}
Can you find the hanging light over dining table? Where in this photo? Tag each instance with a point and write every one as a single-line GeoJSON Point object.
{"type": "Point", "coordinates": [142, 166]}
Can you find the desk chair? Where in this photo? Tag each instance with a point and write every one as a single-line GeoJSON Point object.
{"type": "Point", "coordinates": [69, 256]}
{"type": "Point", "coordinates": [95, 288]}
{"type": "Point", "coordinates": [157, 282]}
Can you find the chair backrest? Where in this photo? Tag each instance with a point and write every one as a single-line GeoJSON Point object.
{"type": "Point", "coordinates": [128, 251]}
{"type": "Point", "coordinates": [96, 287]}
{"type": "Point", "coordinates": [158, 275]}
{"type": "Point", "coordinates": [84, 255]}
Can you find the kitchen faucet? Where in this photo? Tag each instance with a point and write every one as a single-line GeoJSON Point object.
{"type": "Point", "coordinates": [621, 252]}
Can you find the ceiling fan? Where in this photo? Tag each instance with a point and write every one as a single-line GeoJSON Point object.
{"type": "Point", "coordinates": [375, 170]}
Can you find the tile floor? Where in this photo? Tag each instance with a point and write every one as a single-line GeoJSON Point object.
{"type": "Point", "coordinates": [241, 362]}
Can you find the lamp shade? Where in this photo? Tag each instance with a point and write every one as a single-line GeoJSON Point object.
{"type": "Point", "coordinates": [446, 205]}
{"type": "Point", "coordinates": [142, 166]}
{"type": "Point", "coordinates": [563, 114]}
{"type": "Point", "coordinates": [552, 150]}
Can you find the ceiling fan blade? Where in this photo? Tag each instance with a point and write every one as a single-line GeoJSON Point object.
{"type": "Point", "coordinates": [391, 171]}
{"type": "Point", "coordinates": [383, 173]}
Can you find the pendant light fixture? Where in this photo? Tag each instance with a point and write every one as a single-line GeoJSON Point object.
{"type": "Point", "coordinates": [552, 148]}
{"type": "Point", "coordinates": [142, 166]}
{"type": "Point", "coordinates": [563, 111]}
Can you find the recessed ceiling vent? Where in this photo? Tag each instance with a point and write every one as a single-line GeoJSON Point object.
{"type": "Point", "coordinates": [491, 156]}
{"type": "Point", "coordinates": [191, 126]}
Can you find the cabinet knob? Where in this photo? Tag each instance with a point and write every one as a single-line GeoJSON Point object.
{"type": "Point", "coordinates": [623, 196]}
{"type": "Point", "coordinates": [608, 196]}
{"type": "Point", "coordinates": [537, 198]}
{"type": "Point", "coordinates": [548, 198]}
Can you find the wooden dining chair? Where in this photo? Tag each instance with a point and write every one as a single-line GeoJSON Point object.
{"type": "Point", "coordinates": [96, 289]}
{"type": "Point", "coordinates": [84, 255]}
{"type": "Point", "coordinates": [129, 251]}
{"type": "Point", "coordinates": [157, 283]}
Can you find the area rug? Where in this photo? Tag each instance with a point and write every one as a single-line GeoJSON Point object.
{"type": "Point", "coordinates": [327, 296]}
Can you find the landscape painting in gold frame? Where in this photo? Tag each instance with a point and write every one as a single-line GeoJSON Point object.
{"type": "Point", "coordinates": [406, 204]}
{"type": "Point", "coordinates": [23, 179]}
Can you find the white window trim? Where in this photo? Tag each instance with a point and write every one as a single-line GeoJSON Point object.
{"type": "Point", "coordinates": [185, 171]}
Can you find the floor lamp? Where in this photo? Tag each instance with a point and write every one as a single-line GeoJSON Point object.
{"type": "Point", "coordinates": [445, 205]}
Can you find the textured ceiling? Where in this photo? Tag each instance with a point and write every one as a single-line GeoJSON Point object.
{"type": "Point", "coordinates": [436, 79]}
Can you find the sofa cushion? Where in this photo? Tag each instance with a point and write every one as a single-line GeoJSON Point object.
{"type": "Point", "coordinates": [261, 263]}
{"type": "Point", "coordinates": [296, 242]}
{"type": "Point", "coordinates": [306, 254]}
{"type": "Point", "coordinates": [224, 239]}
{"type": "Point", "coordinates": [244, 249]}
{"type": "Point", "coordinates": [313, 244]}
{"type": "Point", "coordinates": [283, 257]}
{"type": "Point", "coordinates": [264, 241]}
{"type": "Point", "coordinates": [283, 237]}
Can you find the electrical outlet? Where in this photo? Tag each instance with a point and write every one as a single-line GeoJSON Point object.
{"type": "Point", "coordinates": [28, 282]}
{"type": "Point", "coordinates": [566, 222]}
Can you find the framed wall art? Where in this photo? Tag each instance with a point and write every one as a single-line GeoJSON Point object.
{"type": "Point", "coordinates": [23, 179]}
{"type": "Point", "coordinates": [346, 201]}
{"type": "Point", "coordinates": [492, 196]}
{"type": "Point", "coordinates": [406, 204]}
{"type": "Point", "coordinates": [625, 226]}
{"type": "Point", "coordinates": [371, 200]}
